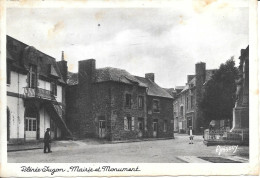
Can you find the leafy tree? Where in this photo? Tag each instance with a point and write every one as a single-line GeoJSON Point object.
{"type": "Point", "coordinates": [219, 93]}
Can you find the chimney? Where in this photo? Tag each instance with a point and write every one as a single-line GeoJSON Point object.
{"type": "Point", "coordinates": [87, 70]}
{"type": "Point", "coordinates": [150, 76]}
{"type": "Point", "coordinates": [62, 56]}
{"type": "Point", "coordinates": [63, 67]}
{"type": "Point", "coordinates": [200, 72]}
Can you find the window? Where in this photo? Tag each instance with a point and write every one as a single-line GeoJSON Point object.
{"type": "Point", "coordinates": [129, 123]}
{"type": "Point", "coordinates": [30, 124]}
{"type": "Point", "coordinates": [191, 102]}
{"type": "Point", "coordinates": [53, 88]}
{"type": "Point", "coordinates": [181, 110]}
{"type": "Point", "coordinates": [156, 107]}
{"type": "Point", "coordinates": [32, 80]}
{"type": "Point", "coordinates": [140, 123]}
{"type": "Point", "coordinates": [187, 102]}
{"type": "Point", "coordinates": [140, 102]}
{"type": "Point", "coordinates": [8, 74]}
{"type": "Point", "coordinates": [128, 100]}
{"type": "Point", "coordinates": [165, 125]}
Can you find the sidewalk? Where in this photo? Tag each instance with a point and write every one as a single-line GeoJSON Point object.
{"type": "Point", "coordinates": [66, 143]}
{"type": "Point", "coordinates": [23, 147]}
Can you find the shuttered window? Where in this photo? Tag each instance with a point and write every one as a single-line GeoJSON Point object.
{"type": "Point", "coordinates": [125, 123]}
{"type": "Point", "coordinates": [140, 102]}
{"type": "Point", "coordinates": [129, 123]}
{"type": "Point", "coordinates": [133, 123]}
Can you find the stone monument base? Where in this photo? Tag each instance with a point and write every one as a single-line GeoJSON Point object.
{"type": "Point", "coordinates": [240, 118]}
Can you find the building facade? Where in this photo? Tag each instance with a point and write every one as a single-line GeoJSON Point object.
{"type": "Point", "coordinates": [35, 94]}
{"type": "Point", "coordinates": [186, 101]}
{"type": "Point", "coordinates": [111, 103]}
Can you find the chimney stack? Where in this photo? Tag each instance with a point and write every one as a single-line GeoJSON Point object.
{"type": "Point", "coordinates": [62, 56]}
{"type": "Point", "coordinates": [63, 67]}
{"type": "Point", "coordinates": [150, 76]}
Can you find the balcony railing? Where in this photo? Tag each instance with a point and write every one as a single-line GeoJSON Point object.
{"type": "Point", "coordinates": [37, 93]}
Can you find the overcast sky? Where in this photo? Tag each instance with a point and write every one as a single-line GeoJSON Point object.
{"type": "Point", "coordinates": [165, 41]}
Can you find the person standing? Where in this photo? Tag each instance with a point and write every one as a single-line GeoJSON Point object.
{"type": "Point", "coordinates": [191, 137]}
{"type": "Point", "coordinates": [47, 140]}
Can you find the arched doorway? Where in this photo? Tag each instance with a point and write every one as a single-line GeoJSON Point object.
{"type": "Point", "coordinates": [8, 123]}
{"type": "Point", "coordinates": [30, 123]}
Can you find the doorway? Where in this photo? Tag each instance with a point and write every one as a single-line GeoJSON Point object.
{"type": "Point", "coordinates": [102, 129]}
{"type": "Point", "coordinates": [140, 127]}
{"type": "Point", "coordinates": [31, 123]}
{"type": "Point", "coordinates": [155, 128]}
{"type": "Point", "coordinates": [30, 128]}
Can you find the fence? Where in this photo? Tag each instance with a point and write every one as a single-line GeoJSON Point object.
{"type": "Point", "coordinates": [226, 135]}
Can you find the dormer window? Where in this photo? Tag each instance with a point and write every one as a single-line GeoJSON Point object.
{"type": "Point", "coordinates": [32, 77]}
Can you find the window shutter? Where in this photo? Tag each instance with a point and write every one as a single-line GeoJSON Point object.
{"type": "Point", "coordinates": [125, 124]}
{"type": "Point", "coordinates": [133, 123]}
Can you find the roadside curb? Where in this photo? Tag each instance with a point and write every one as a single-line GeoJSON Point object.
{"type": "Point", "coordinates": [140, 140]}
{"type": "Point", "coordinates": [24, 149]}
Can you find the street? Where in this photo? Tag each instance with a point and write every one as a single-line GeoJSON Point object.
{"type": "Point", "coordinates": [176, 150]}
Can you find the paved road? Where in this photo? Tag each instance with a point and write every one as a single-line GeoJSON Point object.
{"type": "Point", "coordinates": [87, 151]}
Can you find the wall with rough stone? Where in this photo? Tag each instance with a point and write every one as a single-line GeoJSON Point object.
{"type": "Point", "coordinates": [166, 113]}
{"type": "Point", "coordinates": [119, 110]}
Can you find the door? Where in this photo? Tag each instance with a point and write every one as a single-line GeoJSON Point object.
{"type": "Point", "coordinates": [155, 129]}
{"type": "Point", "coordinates": [140, 127]}
{"type": "Point", "coordinates": [102, 129]}
{"type": "Point", "coordinates": [30, 128]}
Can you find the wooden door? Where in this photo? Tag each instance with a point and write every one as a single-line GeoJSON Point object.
{"type": "Point", "coordinates": [155, 129]}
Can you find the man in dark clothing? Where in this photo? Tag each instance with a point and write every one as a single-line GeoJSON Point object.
{"type": "Point", "coordinates": [47, 140]}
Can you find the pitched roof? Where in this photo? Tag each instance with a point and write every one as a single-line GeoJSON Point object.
{"type": "Point", "coordinates": [153, 88]}
{"type": "Point", "coordinates": [171, 91]}
{"type": "Point", "coordinates": [119, 75]}
{"type": "Point", "coordinates": [72, 78]}
{"type": "Point", "coordinates": [187, 86]}
{"type": "Point", "coordinates": [23, 55]}
{"type": "Point", "coordinates": [116, 75]}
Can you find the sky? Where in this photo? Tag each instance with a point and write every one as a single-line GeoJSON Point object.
{"type": "Point", "coordinates": [167, 41]}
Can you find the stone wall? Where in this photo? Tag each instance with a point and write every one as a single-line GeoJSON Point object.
{"type": "Point", "coordinates": [119, 111]}
{"type": "Point", "coordinates": [165, 114]}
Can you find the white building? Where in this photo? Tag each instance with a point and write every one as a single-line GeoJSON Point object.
{"type": "Point", "coordinates": [35, 94]}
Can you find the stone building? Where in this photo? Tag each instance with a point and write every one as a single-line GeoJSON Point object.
{"type": "Point", "coordinates": [111, 103]}
{"type": "Point", "coordinates": [35, 94]}
{"type": "Point", "coordinates": [185, 103]}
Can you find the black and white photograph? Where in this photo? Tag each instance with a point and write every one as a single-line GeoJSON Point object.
{"type": "Point", "coordinates": [161, 83]}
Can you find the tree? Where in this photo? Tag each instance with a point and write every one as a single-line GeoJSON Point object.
{"type": "Point", "coordinates": [219, 94]}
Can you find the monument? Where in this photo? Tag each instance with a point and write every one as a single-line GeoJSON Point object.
{"type": "Point", "coordinates": [241, 109]}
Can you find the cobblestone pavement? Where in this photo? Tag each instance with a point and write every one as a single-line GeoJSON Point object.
{"type": "Point", "coordinates": [176, 150]}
